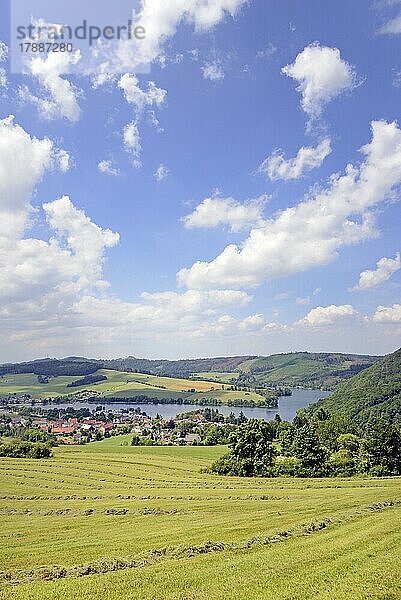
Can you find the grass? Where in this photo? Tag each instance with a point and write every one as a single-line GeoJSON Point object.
{"type": "Point", "coordinates": [174, 532]}
{"type": "Point", "coordinates": [122, 384]}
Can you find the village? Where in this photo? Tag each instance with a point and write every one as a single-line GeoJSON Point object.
{"type": "Point", "coordinates": [71, 426]}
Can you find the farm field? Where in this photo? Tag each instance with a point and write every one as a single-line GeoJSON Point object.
{"type": "Point", "coordinates": [122, 384]}
{"type": "Point", "coordinates": [223, 376]}
{"type": "Point", "coordinates": [146, 523]}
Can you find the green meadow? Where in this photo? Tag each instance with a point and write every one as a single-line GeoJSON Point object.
{"type": "Point", "coordinates": [121, 384]}
{"type": "Point", "coordinates": [108, 520]}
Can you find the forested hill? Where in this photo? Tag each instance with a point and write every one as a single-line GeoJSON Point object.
{"type": "Point", "coordinates": [303, 369]}
{"type": "Point", "coordinates": [319, 370]}
{"type": "Point", "coordinates": [374, 393]}
{"type": "Point", "coordinates": [52, 367]}
{"type": "Point", "coordinates": [178, 368]}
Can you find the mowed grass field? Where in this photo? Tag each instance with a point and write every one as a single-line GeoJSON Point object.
{"type": "Point", "coordinates": [109, 521]}
{"type": "Point", "coordinates": [121, 384]}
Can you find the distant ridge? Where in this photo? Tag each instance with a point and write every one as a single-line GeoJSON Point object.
{"type": "Point", "coordinates": [322, 370]}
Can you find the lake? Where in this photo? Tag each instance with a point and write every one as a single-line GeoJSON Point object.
{"type": "Point", "coordinates": [288, 406]}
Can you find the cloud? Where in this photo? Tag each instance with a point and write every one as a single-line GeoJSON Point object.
{"type": "Point", "coordinates": [253, 323]}
{"type": "Point", "coordinates": [106, 166]}
{"type": "Point", "coordinates": [3, 79]}
{"type": "Point", "coordinates": [396, 78]}
{"type": "Point", "coordinates": [3, 58]}
{"type": "Point", "coordinates": [23, 162]}
{"type": "Point", "coordinates": [64, 160]}
{"type": "Point", "coordinates": [323, 316]}
{"type": "Point", "coordinates": [267, 52]}
{"type": "Point", "coordinates": [388, 314]}
{"type": "Point", "coordinates": [196, 301]}
{"type": "Point", "coordinates": [73, 257]}
{"type": "Point", "coordinates": [61, 100]}
{"type": "Point", "coordinates": [161, 20]}
{"type": "Point", "coordinates": [213, 71]}
{"type": "Point", "coordinates": [141, 99]}
{"type": "Point", "coordinates": [282, 296]}
{"type": "Point", "coordinates": [216, 211]}
{"type": "Point", "coordinates": [392, 27]}
{"type": "Point", "coordinates": [303, 301]}
{"type": "Point", "coordinates": [277, 167]}
{"type": "Point", "coordinates": [132, 142]}
{"type": "Point", "coordinates": [3, 51]}
{"type": "Point", "coordinates": [312, 232]}
{"type": "Point", "coordinates": [46, 276]}
{"type": "Point", "coordinates": [161, 173]}
{"type": "Point", "coordinates": [322, 76]}
{"type": "Point", "coordinates": [53, 293]}
{"type": "Point", "coordinates": [86, 240]}
{"type": "Point", "coordinates": [385, 269]}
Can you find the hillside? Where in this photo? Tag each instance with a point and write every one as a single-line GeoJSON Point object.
{"type": "Point", "coordinates": [178, 368]}
{"type": "Point", "coordinates": [374, 393]}
{"type": "Point", "coordinates": [136, 387]}
{"type": "Point", "coordinates": [303, 369]}
{"type": "Point", "coordinates": [108, 520]}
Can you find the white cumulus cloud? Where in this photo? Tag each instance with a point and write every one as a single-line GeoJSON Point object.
{"type": "Point", "coordinates": [308, 157]}
{"type": "Point", "coordinates": [322, 75]}
{"type": "Point", "coordinates": [161, 20]}
{"type": "Point", "coordinates": [86, 240]}
{"type": "Point", "coordinates": [60, 98]}
{"type": "Point", "coordinates": [253, 322]}
{"type": "Point", "coordinates": [23, 162]}
{"type": "Point", "coordinates": [216, 211]}
{"type": "Point", "coordinates": [384, 270]}
{"type": "Point", "coordinates": [152, 96]}
{"type": "Point", "coordinates": [322, 316]}
{"type": "Point", "coordinates": [388, 314]}
{"type": "Point", "coordinates": [312, 232]}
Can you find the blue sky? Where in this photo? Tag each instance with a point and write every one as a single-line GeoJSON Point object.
{"type": "Point", "coordinates": [206, 207]}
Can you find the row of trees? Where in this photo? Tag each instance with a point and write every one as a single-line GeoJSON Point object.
{"type": "Point", "coordinates": [22, 449]}
{"type": "Point", "coordinates": [323, 446]}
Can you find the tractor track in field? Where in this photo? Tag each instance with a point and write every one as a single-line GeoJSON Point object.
{"type": "Point", "coordinates": [157, 555]}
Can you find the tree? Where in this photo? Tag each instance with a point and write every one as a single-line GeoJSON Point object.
{"type": "Point", "coordinates": [19, 449]}
{"type": "Point", "coordinates": [253, 447]}
{"type": "Point", "coordinates": [241, 418]}
{"type": "Point", "coordinates": [382, 447]}
{"type": "Point", "coordinates": [286, 437]}
{"type": "Point", "coordinates": [349, 442]}
{"type": "Point", "coordinates": [331, 427]}
{"type": "Point", "coordinates": [307, 447]}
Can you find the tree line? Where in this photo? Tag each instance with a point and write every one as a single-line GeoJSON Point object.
{"type": "Point", "coordinates": [321, 446]}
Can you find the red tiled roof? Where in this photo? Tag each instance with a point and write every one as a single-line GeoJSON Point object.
{"type": "Point", "coordinates": [61, 430]}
